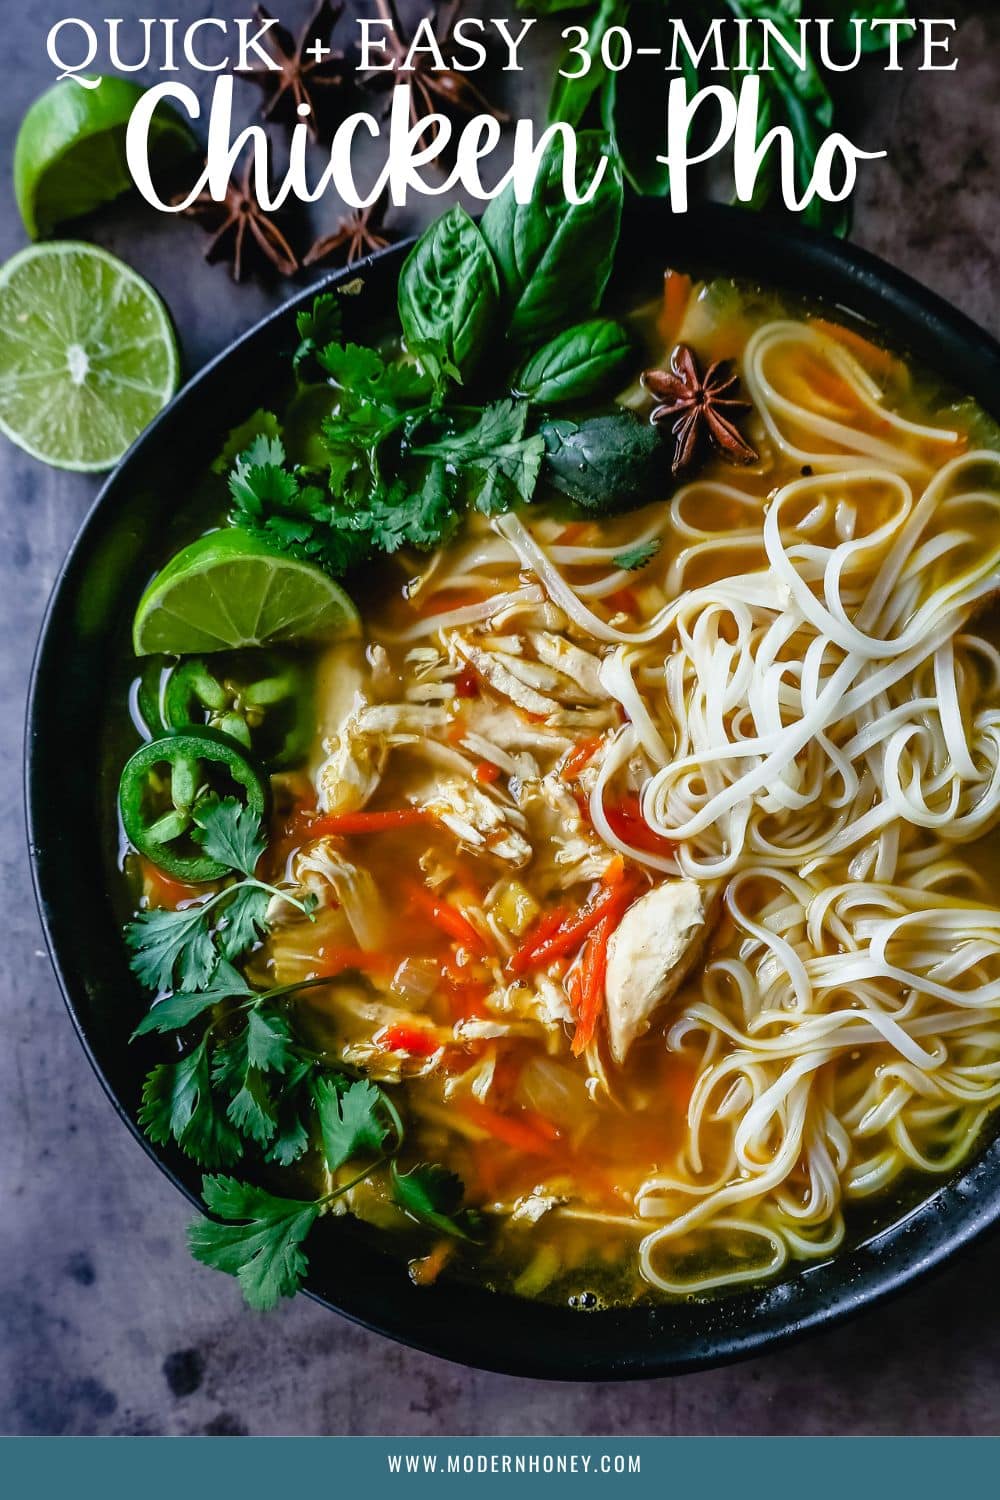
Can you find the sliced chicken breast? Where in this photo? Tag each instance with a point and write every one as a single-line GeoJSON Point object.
{"type": "Point", "coordinates": [652, 951]}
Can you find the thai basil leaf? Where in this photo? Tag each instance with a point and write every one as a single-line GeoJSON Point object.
{"type": "Point", "coordinates": [580, 362]}
{"type": "Point", "coordinates": [554, 257]}
{"type": "Point", "coordinates": [843, 13]}
{"type": "Point", "coordinates": [448, 290]}
{"type": "Point", "coordinates": [606, 464]}
{"type": "Point", "coordinates": [634, 102]}
{"type": "Point", "coordinates": [570, 96]}
{"type": "Point", "coordinates": [801, 98]}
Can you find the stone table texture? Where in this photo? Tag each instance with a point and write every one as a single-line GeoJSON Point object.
{"type": "Point", "coordinates": [106, 1325]}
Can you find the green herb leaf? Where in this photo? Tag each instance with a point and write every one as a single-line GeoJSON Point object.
{"type": "Point", "coordinates": [448, 290]}
{"type": "Point", "coordinates": [243, 920]}
{"type": "Point", "coordinates": [230, 832]}
{"type": "Point", "coordinates": [606, 464]}
{"type": "Point", "coordinates": [635, 558]}
{"type": "Point", "coordinates": [268, 1040]}
{"type": "Point", "coordinates": [262, 424]}
{"type": "Point", "coordinates": [177, 1011]}
{"type": "Point", "coordinates": [434, 1195]}
{"type": "Point", "coordinates": [364, 373]}
{"type": "Point", "coordinates": [352, 1120]}
{"type": "Point", "coordinates": [317, 327]}
{"type": "Point", "coordinates": [554, 257]}
{"type": "Point", "coordinates": [265, 1251]}
{"type": "Point", "coordinates": [252, 1109]}
{"type": "Point", "coordinates": [570, 96]}
{"type": "Point", "coordinates": [843, 13]}
{"type": "Point", "coordinates": [177, 1104]}
{"type": "Point", "coordinates": [293, 1115]}
{"type": "Point", "coordinates": [506, 461]}
{"type": "Point", "coordinates": [582, 361]}
{"type": "Point", "coordinates": [395, 516]}
{"type": "Point", "coordinates": [171, 947]}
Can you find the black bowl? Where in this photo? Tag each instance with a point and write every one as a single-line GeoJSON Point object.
{"type": "Point", "coordinates": [93, 600]}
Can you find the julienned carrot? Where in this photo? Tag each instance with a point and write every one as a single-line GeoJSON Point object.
{"type": "Point", "coordinates": [520, 1133]}
{"type": "Point", "coordinates": [588, 993]}
{"type": "Point", "coordinates": [878, 361]}
{"type": "Point", "coordinates": [543, 929]}
{"type": "Point", "coordinates": [487, 772]}
{"type": "Point", "coordinates": [426, 1270]}
{"type": "Point", "coordinates": [677, 289]}
{"type": "Point", "coordinates": [366, 822]}
{"type": "Point", "coordinates": [616, 892]}
{"type": "Point", "coordinates": [445, 916]}
{"type": "Point", "coordinates": [580, 756]}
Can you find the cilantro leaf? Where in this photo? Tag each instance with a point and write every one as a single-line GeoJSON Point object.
{"type": "Point", "coordinates": [294, 1113]}
{"type": "Point", "coordinates": [169, 946]}
{"type": "Point", "coordinates": [178, 1010]}
{"type": "Point", "coordinates": [243, 921]}
{"type": "Point", "coordinates": [230, 832]}
{"type": "Point", "coordinates": [178, 1104]}
{"type": "Point", "coordinates": [394, 517]}
{"type": "Point", "coordinates": [263, 1045]}
{"type": "Point", "coordinates": [506, 461]}
{"type": "Point", "coordinates": [252, 1109]}
{"type": "Point", "coordinates": [434, 1195]}
{"type": "Point", "coordinates": [264, 1252]}
{"type": "Point", "coordinates": [317, 326]}
{"type": "Point", "coordinates": [634, 558]}
{"type": "Point", "coordinates": [261, 424]}
{"type": "Point", "coordinates": [364, 374]}
{"type": "Point", "coordinates": [268, 1040]}
{"type": "Point", "coordinates": [351, 1120]}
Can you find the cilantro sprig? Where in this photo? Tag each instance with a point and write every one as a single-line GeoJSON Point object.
{"type": "Point", "coordinates": [247, 1086]}
{"type": "Point", "coordinates": [258, 1236]}
{"type": "Point", "coordinates": [186, 947]}
{"type": "Point", "coordinates": [634, 559]}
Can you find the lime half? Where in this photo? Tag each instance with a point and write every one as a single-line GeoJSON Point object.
{"type": "Point", "coordinates": [229, 589]}
{"type": "Point", "coordinates": [87, 354]}
{"type": "Point", "coordinates": [69, 156]}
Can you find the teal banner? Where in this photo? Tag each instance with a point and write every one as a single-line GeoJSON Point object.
{"type": "Point", "coordinates": [705, 1468]}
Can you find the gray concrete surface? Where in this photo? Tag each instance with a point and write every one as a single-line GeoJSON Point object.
{"type": "Point", "coordinates": [106, 1325]}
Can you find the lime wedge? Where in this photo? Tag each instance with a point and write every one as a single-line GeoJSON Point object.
{"type": "Point", "coordinates": [69, 156]}
{"type": "Point", "coordinates": [228, 589]}
{"type": "Point", "coordinates": [87, 354]}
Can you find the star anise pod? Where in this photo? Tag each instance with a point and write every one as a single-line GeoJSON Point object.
{"type": "Point", "coordinates": [304, 75]}
{"type": "Point", "coordinates": [431, 90]}
{"type": "Point", "coordinates": [703, 406]}
{"type": "Point", "coordinates": [239, 225]}
{"type": "Point", "coordinates": [357, 235]}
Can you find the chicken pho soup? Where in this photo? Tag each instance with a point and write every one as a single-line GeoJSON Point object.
{"type": "Point", "coordinates": [596, 899]}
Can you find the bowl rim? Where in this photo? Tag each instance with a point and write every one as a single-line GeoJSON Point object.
{"type": "Point", "coordinates": [968, 1204]}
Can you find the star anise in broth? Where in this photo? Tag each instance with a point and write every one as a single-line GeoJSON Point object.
{"type": "Point", "coordinates": [240, 229]}
{"type": "Point", "coordinates": [309, 71]}
{"type": "Point", "coordinates": [357, 235]}
{"type": "Point", "coordinates": [432, 91]}
{"type": "Point", "coordinates": [703, 407]}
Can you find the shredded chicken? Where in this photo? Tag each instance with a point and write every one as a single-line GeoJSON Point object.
{"type": "Point", "coordinates": [475, 818]}
{"type": "Point", "coordinates": [322, 866]}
